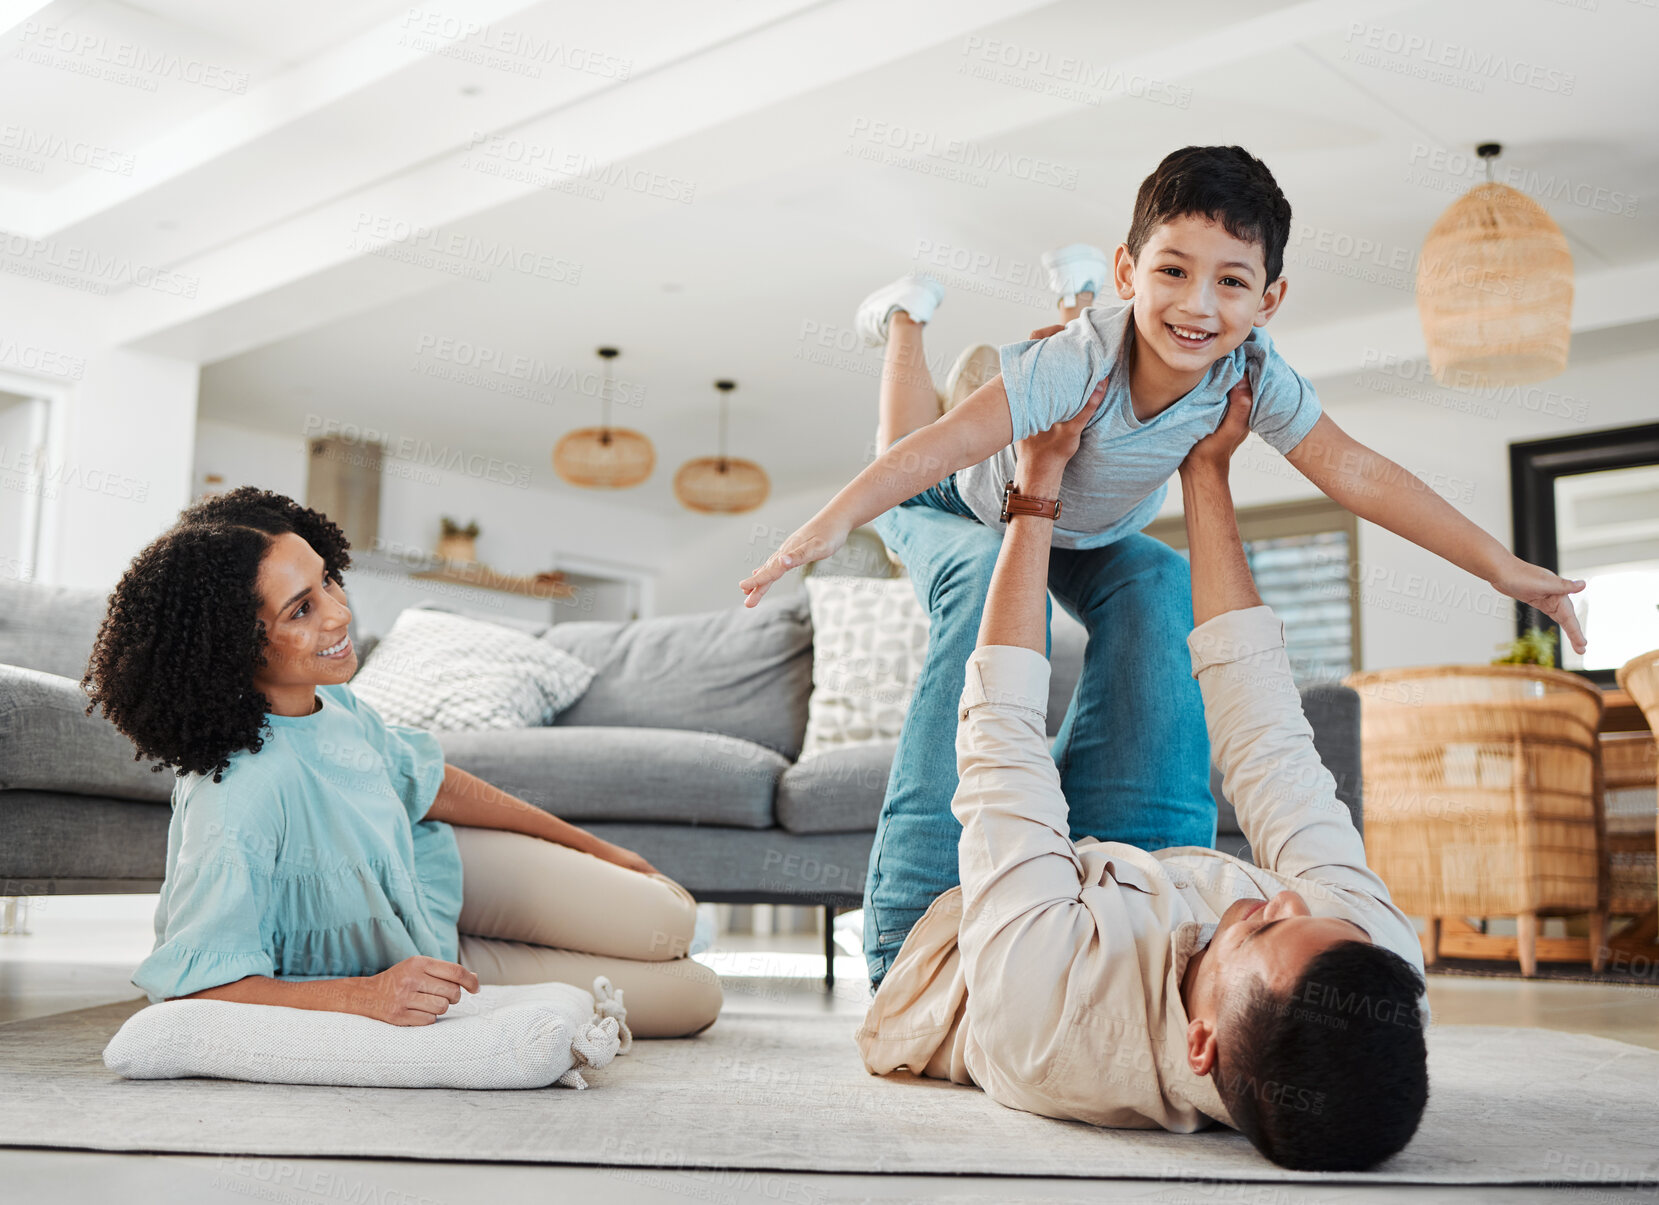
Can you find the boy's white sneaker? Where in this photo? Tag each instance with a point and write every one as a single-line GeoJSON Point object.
{"type": "Point", "coordinates": [1079, 268]}
{"type": "Point", "coordinates": [975, 366]}
{"type": "Point", "coordinates": [916, 293]}
{"type": "Point", "coordinates": [849, 932]}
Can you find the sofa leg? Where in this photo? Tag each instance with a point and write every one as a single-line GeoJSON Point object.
{"type": "Point", "coordinates": [829, 947]}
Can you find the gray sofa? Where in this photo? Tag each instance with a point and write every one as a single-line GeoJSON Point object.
{"type": "Point", "coordinates": [683, 748]}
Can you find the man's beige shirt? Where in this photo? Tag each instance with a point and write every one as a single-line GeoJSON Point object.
{"type": "Point", "coordinates": [1051, 977]}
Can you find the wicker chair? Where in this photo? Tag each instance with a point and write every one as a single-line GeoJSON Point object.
{"type": "Point", "coordinates": [1483, 799]}
{"type": "Point", "coordinates": [1640, 679]}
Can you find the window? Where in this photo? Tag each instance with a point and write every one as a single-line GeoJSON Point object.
{"type": "Point", "coordinates": [1587, 506]}
{"type": "Point", "coordinates": [1302, 557]}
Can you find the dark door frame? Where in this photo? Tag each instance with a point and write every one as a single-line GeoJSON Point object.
{"type": "Point", "coordinates": [1533, 467]}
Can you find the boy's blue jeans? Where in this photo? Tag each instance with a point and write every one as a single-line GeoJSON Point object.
{"type": "Point", "coordinates": [1133, 753]}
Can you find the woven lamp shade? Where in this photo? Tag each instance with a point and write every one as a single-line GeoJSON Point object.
{"type": "Point", "coordinates": [721, 485]}
{"type": "Point", "coordinates": [604, 458]}
{"type": "Point", "coordinates": [1495, 291]}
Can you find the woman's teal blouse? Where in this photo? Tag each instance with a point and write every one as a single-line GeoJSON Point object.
{"type": "Point", "coordinates": [311, 859]}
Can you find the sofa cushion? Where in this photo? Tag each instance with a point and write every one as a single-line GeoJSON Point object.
{"type": "Point", "coordinates": [633, 774]}
{"type": "Point", "coordinates": [839, 791]}
{"type": "Point", "coordinates": [49, 743]}
{"type": "Point", "coordinates": [49, 628]}
{"type": "Point", "coordinates": [52, 838]}
{"type": "Point", "coordinates": [1333, 713]}
{"type": "Point", "coordinates": [742, 866]}
{"type": "Point", "coordinates": [741, 672]}
{"type": "Point", "coordinates": [530, 627]}
{"type": "Point", "coordinates": [436, 669]}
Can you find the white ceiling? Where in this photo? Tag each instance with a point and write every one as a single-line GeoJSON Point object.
{"type": "Point", "coordinates": [273, 191]}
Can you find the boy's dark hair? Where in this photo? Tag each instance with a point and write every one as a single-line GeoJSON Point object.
{"type": "Point", "coordinates": [1333, 1077]}
{"type": "Point", "coordinates": [1225, 184]}
{"type": "Point", "coordinates": [174, 661]}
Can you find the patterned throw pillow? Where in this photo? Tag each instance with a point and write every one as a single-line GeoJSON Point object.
{"type": "Point", "coordinates": [444, 671]}
{"type": "Point", "coordinates": [869, 639]}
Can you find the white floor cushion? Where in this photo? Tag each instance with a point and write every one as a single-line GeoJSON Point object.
{"type": "Point", "coordinates": [528, 1036]}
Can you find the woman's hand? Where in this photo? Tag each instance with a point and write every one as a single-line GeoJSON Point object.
{"type": "Point", "coordinates": [625, 858]}
{"type": "Point", "coordinates": [819, 538]}
{"type": "Point", "coordinates": [417, 991]}
{"type": "Point", "coordinates": [1215, 451]}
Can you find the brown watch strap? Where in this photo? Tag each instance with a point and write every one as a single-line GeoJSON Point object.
{"type": "Point", "coordinates": [1016, 503]}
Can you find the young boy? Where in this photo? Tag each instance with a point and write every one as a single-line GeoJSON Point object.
{"type": "Point", "coordinates": [1198, 278]}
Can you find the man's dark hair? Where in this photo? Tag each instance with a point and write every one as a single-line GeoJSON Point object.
{"type": "Point", "coordinates": [1225, 184]}
{"type": "Point", "coordinates": [174, 661]}
{"type": "Point", "coordinates": [1333, 1077]}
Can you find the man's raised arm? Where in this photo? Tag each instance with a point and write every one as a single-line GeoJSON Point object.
{"type": "Point", "coordinates": [1221, 580]}
{"type": "Point", "coordinates": [1285, 797]}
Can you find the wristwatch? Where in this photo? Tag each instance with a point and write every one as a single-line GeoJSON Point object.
{"type": "Point", "coordinates": [1016, 503]}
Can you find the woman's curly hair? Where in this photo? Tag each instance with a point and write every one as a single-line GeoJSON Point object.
{"type": "Point", "coordinates": [174, 662]}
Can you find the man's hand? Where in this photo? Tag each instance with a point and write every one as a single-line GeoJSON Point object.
{"type": "Point", "coordinates": [416, 991]}
{"type": "Point", "coordinates": [1543, 591]}
{"type": "Point", "coordinates": [1215, 450]}
{"type": "Point", "coordinates": [819, 538]}
{"type": "Point", "coordinates": [1040, 460]}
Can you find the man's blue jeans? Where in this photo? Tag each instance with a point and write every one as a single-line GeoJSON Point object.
{"type": "Point", "coordinates": [1133, 753]}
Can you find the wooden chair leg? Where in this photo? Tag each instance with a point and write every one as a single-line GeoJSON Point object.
{"type": "Point", "coordinates": [1431, 942]}
{"type": "Point", "coordinates": [1526, 942]}
{"type": "Point", "coordinates": [1598, 940]}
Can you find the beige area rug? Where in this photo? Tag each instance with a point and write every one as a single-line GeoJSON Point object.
{"type": "Point", "coordinates": [787, 1093]}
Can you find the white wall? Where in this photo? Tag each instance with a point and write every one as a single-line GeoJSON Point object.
{"type": "Point", "coordinates": [245, 456]}
{"type": "Point", "coordinates": [712, 553]}
{"type": "Point", "coordinates": [526, 524]}
{"type": "Point", "coordinates": [122, 431]}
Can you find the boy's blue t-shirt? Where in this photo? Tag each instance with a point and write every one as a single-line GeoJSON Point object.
{"type": "Point", "coordinates": [1115, 483]}
{"type": "Point", "coordinates": [311, 859]}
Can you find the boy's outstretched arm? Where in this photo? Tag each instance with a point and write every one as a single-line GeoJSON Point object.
{"type": "Point", "coordinates": [1375, 488]}
{"type": "Point", "coordinates": [976, 429]}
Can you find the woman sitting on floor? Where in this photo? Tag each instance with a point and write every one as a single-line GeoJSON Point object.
{"type": "Point", "coordinates": [311, 860]}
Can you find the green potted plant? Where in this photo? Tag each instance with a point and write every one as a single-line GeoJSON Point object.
{"type": "Point", "coordinates": [1537, 647]}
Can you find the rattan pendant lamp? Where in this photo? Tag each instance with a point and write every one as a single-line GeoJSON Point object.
{"type": "Point", "coordinates": [722, 485]}
{"type": "Point", "coordinates": [1495, 288]}
{"type": "Point", "coordinates": [604, 457]}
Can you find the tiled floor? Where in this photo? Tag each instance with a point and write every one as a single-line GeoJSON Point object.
{"type": "Point", "coordinates": [81, 951]}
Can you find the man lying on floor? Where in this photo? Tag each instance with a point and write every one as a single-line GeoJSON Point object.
{"type": "Point", "coordinates": [1105, 983]}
